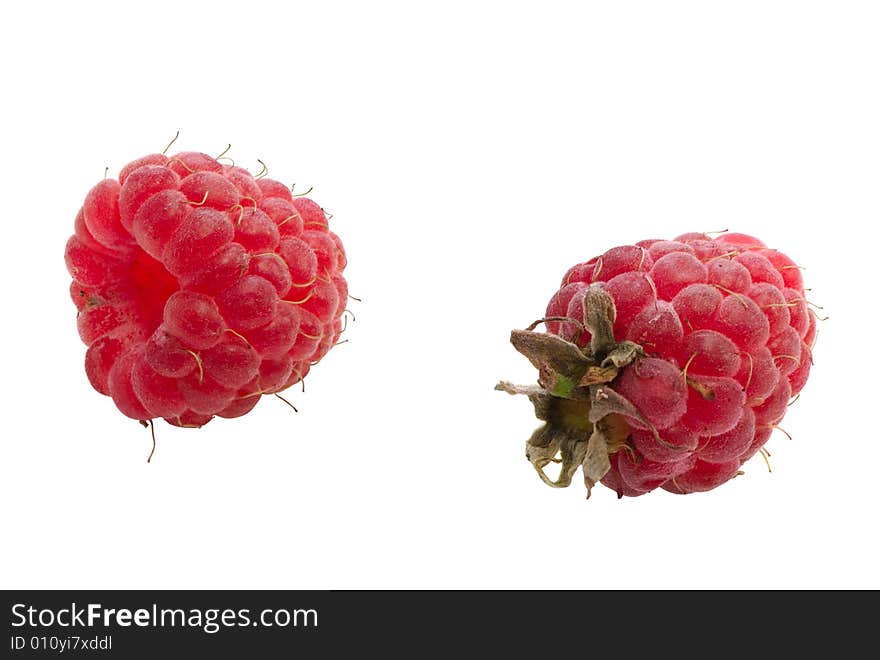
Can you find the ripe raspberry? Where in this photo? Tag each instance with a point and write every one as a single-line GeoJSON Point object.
{"type": "Point", "coordinates": [200, 288]}
{"type": "Point", "coordinates": [667, 364]}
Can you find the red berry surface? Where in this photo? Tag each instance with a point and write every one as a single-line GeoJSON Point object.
{"type": "Point", "coordinates": [712, 337]}
{"type": "Point", "coordinates": [200, 288]}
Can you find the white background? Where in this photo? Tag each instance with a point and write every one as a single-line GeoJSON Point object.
{"type": "Point", "coordinates": [470, 152]}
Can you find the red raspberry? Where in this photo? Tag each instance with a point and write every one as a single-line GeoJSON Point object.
{"type": "Point", "coordinates": [667, 364]}
{"type": "Point", "coordinates": [200, 288]}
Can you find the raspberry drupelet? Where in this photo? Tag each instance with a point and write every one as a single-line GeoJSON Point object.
{"type": "Point", "coordinates": [667, 364]}
{"type": "Point", "coordinates": [200, 288]}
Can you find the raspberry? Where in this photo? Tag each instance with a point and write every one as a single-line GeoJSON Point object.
{"type": "Point", "coordinates": [666, 364]}
{"type": "Point", "coordinates": [625, 259]}
{"type": "Point", "coordinates": [631, 292]}
{"type": "Point", "coordinates": [676, 270]}
{"type": "Point", "coordinates": [671, 445]}
{"type": "Point", "coordinates": [659, 249]}
{"type": "Point", "coordinates": [714, 405]}
{"type": "Point", "coordinates": [730, 275]}
{"type": "Point", "coordinates": [709, 353]}
{"type": "Point", "coordinates": [657, 389]}
{"type": "Point", "coordinates": [658, 328]}
{"type": "Point", "coordinates": [757, 374]}
{"type": "Point", "coordinates": [200, 288]}
{"type": "Point", "coordinates": [731, 444]}
{"type": "Point", "coordinates": [646, 475]}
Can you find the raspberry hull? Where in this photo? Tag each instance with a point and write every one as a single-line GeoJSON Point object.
{"type": "Point", "coordinates": [200, 288]}
{"type": "Point", "coordinates": [667, 364]}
